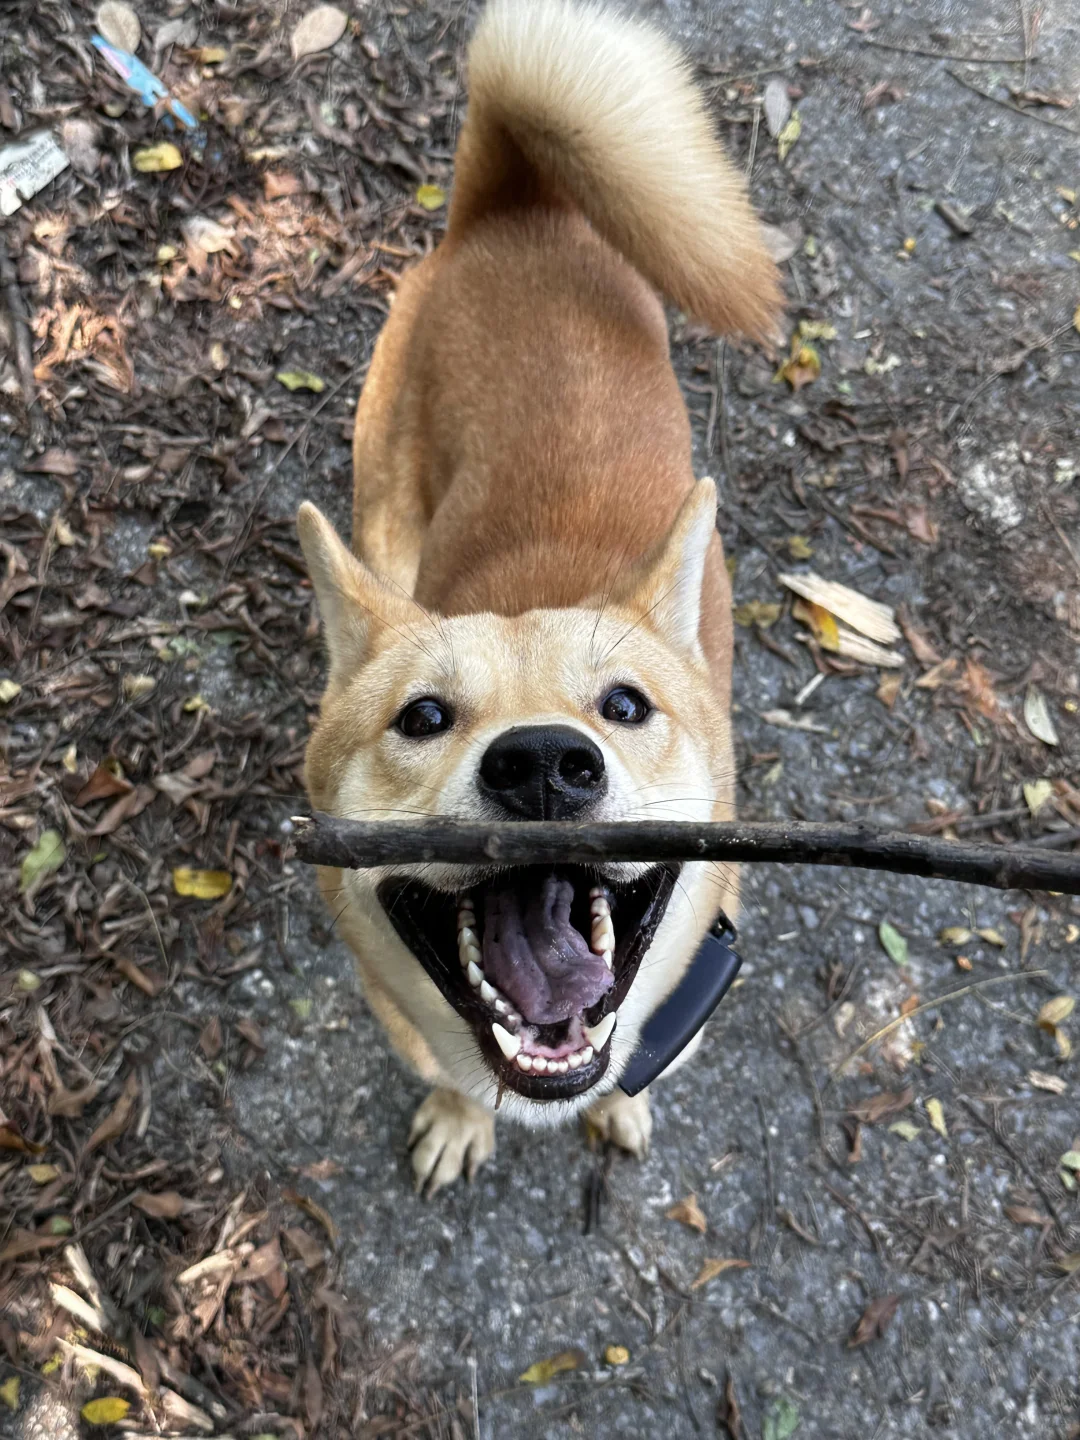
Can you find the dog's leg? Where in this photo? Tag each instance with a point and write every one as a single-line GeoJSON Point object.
{"type": "Point", "coordinates": [449, 1135]}
{"type": "Point", "coordinates": [625, 1120]}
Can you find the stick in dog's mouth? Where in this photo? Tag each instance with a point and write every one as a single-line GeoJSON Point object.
{"type": "Point", "coordinates": [537, 959]}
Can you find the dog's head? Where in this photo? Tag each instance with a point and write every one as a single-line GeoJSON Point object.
{"type": "Point", "coordinates": [528, 982]}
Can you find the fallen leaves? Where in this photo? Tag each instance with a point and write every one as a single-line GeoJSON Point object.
{"type": "Point", "coordinates": [118, 1118]}
{"type": "Point", "coordinates": [874, 1321]}
{"type": "Point", "coordinates": [318, 30]}
{"type": "Point", "coordinates": [201, 884]}
{"type": "Point", "coordinates": [781, 1419]}
{"type": "Point", "coordinates": [108, 1410]}
{"type": "Point", "coordinates": [935, 1112]}
{"type": "Point", "coordinates": [300, 380]}
{"type": "Point", "coordinates": [431, 197]}
{"type": "Point", "coordinates": [1052, 1084]}
{"type": "Point", "coordinates": [882, 1106]}
{"type": "Point", "coordinates": [757, 612]}
{"type": "Point", "coordinates": [616, 1355]}
{"type": "Point", "coordinates": [119, 24]}
{"type": "Point", "coordinates": [802, 366]}
{"type": "Point", "coordinates": [788, 136]}
{"type": "Point", "coordinates": [9, 1392]}
{"type": "Point", "coordinates": [541, 1372]}
{"type": "Point", "coordinates": [688, 1212]}
{"type": "Point", "coordinates": [1036, 794]}
{"type": "Point", "coordinates": [1037, 717]}
{"type": "Point", "coordinates": [1026, 1215]}
{"type": "Point", "coordinates": [156, 159]}
{"type": "Point", "coordinates": [893, 943]}
{"type": "Point", "coordinates": [1051, 1018]}
{"type": "Point", "coordinates": [711, 1268]}
{"type": "Point", "coordinates": [42, 860]}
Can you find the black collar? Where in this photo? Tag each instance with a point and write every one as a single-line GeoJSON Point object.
{"type": "Point", "coordinates": [671, 1028]}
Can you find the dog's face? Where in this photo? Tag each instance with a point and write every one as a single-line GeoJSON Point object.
{"type": "Point", "coordinates": [529, 982]}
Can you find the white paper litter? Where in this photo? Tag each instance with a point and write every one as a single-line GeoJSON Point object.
{"type": "Point", "coordinates": [28, 167]}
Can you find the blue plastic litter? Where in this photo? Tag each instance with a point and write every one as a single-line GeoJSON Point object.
{"type": "Point", "coordinates": [143, 81]}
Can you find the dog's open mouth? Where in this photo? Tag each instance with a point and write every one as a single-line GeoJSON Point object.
{"type": "Point", "coordinates": [538, 960]}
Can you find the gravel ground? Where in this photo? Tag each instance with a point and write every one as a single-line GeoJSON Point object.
{"type": "Point", "coordinates": [948, 399]}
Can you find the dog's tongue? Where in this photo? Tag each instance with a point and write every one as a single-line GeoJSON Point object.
{"type": "Point", "coordinates": [535, 956]}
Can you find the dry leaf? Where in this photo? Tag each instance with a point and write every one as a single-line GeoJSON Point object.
{"type": "Point", "coordinates": [137, 687]}
{"type": "Point", "coordinates": [9, 689]}
{"type": "Point", "coordinates": [10, 1139]}
{"type": "Point", "coordinates": [1053, 1084]}
{"type": "Point", "coordinates": [777, 104]}
{"type": "Point", "coordinates": [888, 689]}
{"type": "Point", "coordinates": [165, 1205]}
{"type": "Point", "coordinates": [711, 1268]}
{"type": "Point", "coordinates": [616, 1355]}
{"type": "Point", "coordinates": [1056, 1010]}
{"type": "Point", "coordinates": [875, 1320]}
{"type": "Point", "coordinates": [306, 1246]}
{"type": "Point", "coordinates": [42, 1174]}
{"type": "Point", "coordinates": [882, 1106]}
{"type": "Point", "coordinates": [431, 197]}
{"type": "Point", "coordinates": [992, 937]}
{"type": "Point", "coordinates": [1026, 1215]}
{"type": "Point", "coordinates": [202, 884]}
{"type": "Point", "coordinates": [156, 158]}
{"type": "Point", "coordinates": [688, 1212]}
{"type": "Point", "coordinates": [1037, 717]}
{"type": "Point", "coordinates": [801, 367]}
{"type": "Point", "coordinates": [542, 1371]}
{"type": "Point", "coordinates": [905, 1129]}
{"type": "Point", "coordinates": [1037, 793]}
{"type": "Point", "coordinates": [46, 856]}
{"type": "Point", "coordinates": [318, 30]}
{"type": "Point", "coordinates": [314, 1210]}
{"type": "Point", "coordinates": [788, 135]}
{"type": "Point", "coordinates": [955, 935]}
{"type": "Point", "coordinates": [118, 1118]}
{"type": "Point", "coordinates": [106, 781]}
{"type": "Point", "coordinates": [300, 380]}
{"type": "Point", "coordinates": [936, 1113]}
{"type": "Point", "coordinates": [106, 1411]}
{"type": "Point", "coordinates": [9, 1392]}
{"type": "Point", "coordinates": [756, 612]}
{"type": "Point", "coordinates": [119, 25]}
{"type": "Point", "coordinates": [938, 675]}
{"type": "Point", "coordinates": [821, 622]}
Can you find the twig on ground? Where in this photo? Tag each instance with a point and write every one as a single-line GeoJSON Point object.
{"type": "Point", "coordinates": [24, 355]}
{"type": "Point", "coordinates": [365, 844]}
{"type": "Point", "coordinates": [947, 54]}
{"type": "Point", "coordinates": [1017, 1159]}
{"type": "Point", "coordinates": [1009, 105]}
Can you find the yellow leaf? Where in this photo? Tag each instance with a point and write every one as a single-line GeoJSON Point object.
{"type": "Point", "coordinates": [757, 612]}
{"type": "Point", "coordinates": [9, 1392]}
{"type": "Point", "coordinates": [431, 197]}
{"type": "Point", "coordinates": [8, 690]}
{"type": "Point", "coordinates": [137, 687]}
{"type": "Point", "coordinates": [197, 702]}
{"type": "Point", "coordinates": [212, 55]}
{"type": "Point", "coordinates": [1063, 1043]}
{"type": "Point", "coordinates": [799, 547]}
{"type": "Point", "coordinates": [955, 935]}
{"type": "Point", "coordinates": [905, 1129]}
{"type": "Point", "coordinates": [711, 1268]}
{"type": "Point", "coordinates": [936, 1112]}
{"type": "Point", "coordinates": [1037, 793]}
{"type": "Point", "coordinates": [992, 937]}
{"type": "Point", "coordinates": [821, 622]}
{"type": "Point", "coordinates": [1056, 1010]}
{"type": "Point", "coordinates": [300, 380]}
{"type": "Point", "coordinates": [788, 135]}
{"type": "Point", "coordinates": [616, 1355]}
{"type": "Point", "coordinates": [47, 855]}
{"type": "Point", "coordinates": [157, 158]}
{"type": "Point", "coordinates": [688, 1212]}
{"type": "Point", "coordinates": [42, 1174]}
{"type": "Point", "coordinates": [202, 884]}
{"type": "Point", "coordinates": [165, 253]}
{"type": "Point", "coordinates": [816, 330]}
{"type": "Point", "coordinates": [1076, 318]}
{"type": "Point", "coordinates": [544, 1370]}
{"type": "Point", "coordinates": [106, 1411]}
{"type": "Point", "coordinates": [801, 367]}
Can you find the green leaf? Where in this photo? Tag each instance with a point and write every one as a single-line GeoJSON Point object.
{"type": "Point", "coordinates": [893, 943]}
{"type": "Point", "coordinates": [781, 1419]}
{"type": "Point", "coordinates": [1071, 1160]}
{"type": "Point", "coordinates": [300, 380]}
{"type": "Point", "coordinates": [47, 855]}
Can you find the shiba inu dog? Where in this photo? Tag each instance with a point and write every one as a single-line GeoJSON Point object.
{"type": "Point", "coordinates": [534, 619]}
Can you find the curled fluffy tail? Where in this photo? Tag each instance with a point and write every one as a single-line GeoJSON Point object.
{"type": "Point", "coordinates": [569, 102]}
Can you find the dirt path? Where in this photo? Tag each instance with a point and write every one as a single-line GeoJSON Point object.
{"type": "Point", "coordinates": [202, 1075]}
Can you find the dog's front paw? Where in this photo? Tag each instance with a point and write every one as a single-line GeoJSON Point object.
{"type": "Point", "coordinates": [449, 1135]}
{"type": "Point", "coordinates": [625, 1120]}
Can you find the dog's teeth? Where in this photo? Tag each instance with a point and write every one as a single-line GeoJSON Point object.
{"type": "Point", "coordinates": [525, 1062]}
{"type": "Point", "coordinates": [468, 936]}
{"type": "Point", "coordinates": [562, 1066]}
{"type": "Point", "coordinates": [510, 1045]}
{"type": "Point", "coordinates": [586, 1055]}
{"type": "Point", "coordinates": [475, 974]}
{"type": "Point", "coordinates": [513, 1019]}
{"type": "Point", "coordinates": [599, 1034]}
{"type": "Point", "coordinates": [600, 905]}
{"type": "Point", "coordinates": [574, 1061]}
{"type": "Point", "coordinates": [488, 993]}
{"type": "Point", "coordinates": [540, 1065]}
{"type": "Point", "coordinates": [501, 1007]}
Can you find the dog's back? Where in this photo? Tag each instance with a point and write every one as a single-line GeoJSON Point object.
{"type": "Point", "coordinates": [521, 437]}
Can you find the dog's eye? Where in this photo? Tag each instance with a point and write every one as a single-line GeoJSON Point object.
{"type": "Point", "coordinates": [625, 706]}
{"type": "Point", "coordinates": [424, 717]}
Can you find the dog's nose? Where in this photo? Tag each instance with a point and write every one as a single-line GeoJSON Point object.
{"type": "Point", "coordinates": [542, 772]}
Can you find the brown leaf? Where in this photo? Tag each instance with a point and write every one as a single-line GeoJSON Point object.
{"type": "Point", "coordinates": [978, 686]}
{"type": "Point", "coordinates": [267, 1264]}
{"type": "Point", "coordinates": [10, 1139]}
{"type": "Point", "coordinates": [210, 1039]}
{"type": "Point", "coordinates": [138, 977]}
{"type": "Point", "coordinates": [106, 781]}
{"type": "Point", "coordinates": [920, 527]}
{"type": "Point", "coordinates": [28, 1242]}
{"type": "Point", "coordinates": [54, 462]}
{"type": "Point", "coordinates": [314, 1209]}
{"type": "Point", "coordinates": [875, 1320]}
{"type": "Point", "coordinates": [306, 1246]}
{"type": "Point", "coordinates": [919, 641]}
{"type": "Point", "coordinates": [118, 1118]}
{"type": "Point", "coordinates": [165, 1205]}
{"type": "Point", "coordinates": [126, 808]}
{"type": "Point", "coordinates": [728, 1413]}
{"type": "Point", "coordinates": [711, 1268]}
{"type": "Point", "coordinates": [1026, 1215]}
{"type": "Point", "coordinates": [321, 1170]}
{"type": "Point", "coordinates": [73, 1102]}
{"type": "Point", "coordinates": [688, 1212]}
{"type": "Point", "coordinates": [313, 1393]}
{"type": "Point", "coordinates": [882, 1106]}
{"type": "Point", "coordinates": [249, 1031]}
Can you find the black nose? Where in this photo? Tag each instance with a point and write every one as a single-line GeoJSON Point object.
{"type": "Point", "coordinates": [542, 772]}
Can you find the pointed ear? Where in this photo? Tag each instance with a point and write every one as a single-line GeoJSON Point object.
{"type": "Point", "coordinates": [353, 601]}
{"type": "Point", "coordinates": [666, 586]}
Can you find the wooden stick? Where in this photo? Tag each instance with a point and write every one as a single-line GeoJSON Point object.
{"type": "Point", "coordinates": [362, 844]}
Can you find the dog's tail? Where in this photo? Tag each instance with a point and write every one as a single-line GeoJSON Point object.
{"type": "Point", "coordinates": [569, 102]}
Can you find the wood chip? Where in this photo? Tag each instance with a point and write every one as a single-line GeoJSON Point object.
{"type": "Point", "coordinates": [869, 617]}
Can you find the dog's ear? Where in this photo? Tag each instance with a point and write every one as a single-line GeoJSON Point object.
{"type": "Point", "coordinates": [665, 587]}
{"type": "Point", "coordinates": [353, 601]}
